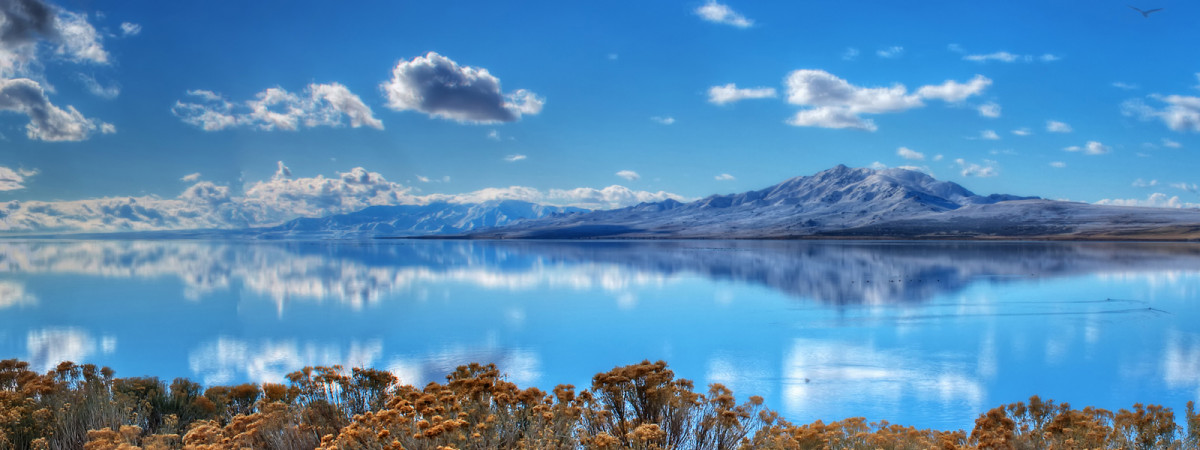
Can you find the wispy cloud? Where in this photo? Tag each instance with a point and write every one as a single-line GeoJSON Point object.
{"type": "Point", "coordinates": [724, 177]}
{"type": "Point", "coordinates": [989, 110]}
{"type": "Point", "coordinates": [437, 86]}
{"type": "Point", "coordinates": [1022, 132]}
{"type": "Point", "coordinates": [730, 93]}
{"type": "Point", "coordinates": [1006, 57]}
{"type": "Point", "coordinates": [629, 175]}
{"type": "Point", "coordinates": [514, 158]}
{"type": "Point", "coordinates": [989, 168]}
{"type": "Point", "coordinates": [663, 120]}
{"type": "Point", "coordinates": [130, 29]}
{"type": "Point", "coordinates": [1125, 86]}
{"type": "Point", "coordinates": [1055, 126]}
{"type": "Point", "coordinates": [989, 135]}
{"type": "Point", "coordinates": [1171, 144]}
{"type": "Point", "coordinates": [1058, 164]}
{"type": "Point", "coordinates": [892, 52]}
{"type": "Point", "coordinates": [1140, 183]}
{"type": "Point", "coordinates": [720, 13]}
{"type": "Point", "coordinates": [850, 54]}
{"type": "Point", "coordinates": [278, 109]}
{"type": "Point", "coordinates": [1091, 148]}
{"type": "Point", "coordinates": [910, 154]}
{"type": "Point", "coordinates": [833, 102]}
{"type": "Point", "coordinates": [190, 178]}
{"type": "Point", "coordinates": [11, 180]}
{"type": "Point", "coordinates": [1180, 112]}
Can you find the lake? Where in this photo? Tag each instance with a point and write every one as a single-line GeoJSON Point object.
{"type": "Point", "coordinates": [929, 334]}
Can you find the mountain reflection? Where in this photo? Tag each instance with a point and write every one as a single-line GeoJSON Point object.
{"type": "Point", "coordinates": [360, 273]}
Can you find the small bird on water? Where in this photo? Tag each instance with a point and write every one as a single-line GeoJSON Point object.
{"type": "Point", "coordinates": [1147, 12]}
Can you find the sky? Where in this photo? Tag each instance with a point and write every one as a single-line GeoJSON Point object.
{"type": "Point", "coordinates": [127, 115]}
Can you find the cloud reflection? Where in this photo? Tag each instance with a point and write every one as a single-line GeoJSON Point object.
{"type": "Point", "coordinates": [48, 347]}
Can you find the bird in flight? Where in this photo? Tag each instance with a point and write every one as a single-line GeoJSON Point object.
{"type": "Point", "coordinates": [1146, 13]}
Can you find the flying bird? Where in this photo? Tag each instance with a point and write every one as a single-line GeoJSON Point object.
{"type": "Point", "coordinates": [1146, 13]}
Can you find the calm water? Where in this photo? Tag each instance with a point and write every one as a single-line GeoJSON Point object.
{"type": "Point", "coordinates": [927, 334]}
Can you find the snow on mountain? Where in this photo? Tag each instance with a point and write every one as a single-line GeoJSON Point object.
{"type": "Point", "coordinates": [850, 202]}
{"type": "Point", "coordinates": [417, 220]}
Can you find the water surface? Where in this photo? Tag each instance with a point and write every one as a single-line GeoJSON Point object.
{"type": "Point", "coordinates": [926, 334]}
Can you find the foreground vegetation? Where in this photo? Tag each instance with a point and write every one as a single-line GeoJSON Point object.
{"type": "Point", "coordinates": [640, 406]}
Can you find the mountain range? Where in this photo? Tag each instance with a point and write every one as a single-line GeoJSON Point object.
{"type": "Point", "coordinates": [844, 202]}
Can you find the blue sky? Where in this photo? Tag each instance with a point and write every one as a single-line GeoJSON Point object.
{"type": "Point", "coordinates": [138, 114]}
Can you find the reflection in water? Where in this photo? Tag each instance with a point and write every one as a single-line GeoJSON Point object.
{"type": "Point", "coordinates": [227, 360]}
{"type": "Point", "coordinates": [12, 294]}
{"type": "Point", "coordinates": [925, 333]}
{"type": "Point", "coordinates": [820, 376]}
{"type": "Point", "coordinates": [356, 274]}
{"type": "Point", "coordinates": [49, 346]}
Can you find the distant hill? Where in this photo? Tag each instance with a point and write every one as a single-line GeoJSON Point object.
{"type": "Point", "coordinates": [844, 202]}
{"type": "Point", "coordinates": [437, 218]}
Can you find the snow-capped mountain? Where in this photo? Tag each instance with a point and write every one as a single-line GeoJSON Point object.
{"type": "Point", "coordinates": [417, 220]}
{"type": "Point", "coordinates": [868, 203]}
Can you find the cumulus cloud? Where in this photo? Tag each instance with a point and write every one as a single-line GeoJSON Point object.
{"type": "Point", "coordinates": [1055, 126]}
{"type": "Point", "coordinates": [894, 51]}
{"type": "Point", "coordinates": [1091, 148]}
{"type": "Point", "coordinates": [989, 168]}
{"type": "Point", "coordinates": [437, 86]}
{"type": "Point", "coordinates": [78, 40]}
{"type": "Point", "coordinates": [1155, 200]}
{"type": "Point", "coordinates": [1180, 113]}
{"type": "Point", "coordinates": [629, 175]}
{"type": "Point", "coordinates": [910, 154]}
{"type": "Point", "coordinates": [989, 110]}
{"type": "Point", "coordinates": [730, 93]}
{"type": "Point", "coordinates": [11, 180]}
{"type": "Point", "coordinates": [191, 177]}
{"type": "Point", "coordinates": [663, 120]}
{"type": "Point", "coordinates": [719, 13]}
{"type": "Point", "coordinates": [835, 103]}
{"type": "Point", "coordinates": [514, 158]}
{"type": "Point", "coordinates": [275, 108]}
{"type": "Point", "coordinates": [724, 177]}
{"type": "Point", "coordinates": [47, 122]}
{"type": "Point", "coordinates": [130, 29]}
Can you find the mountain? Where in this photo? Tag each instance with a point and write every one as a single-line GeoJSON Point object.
{"type": "Point", "coordinates": [845, 202]}
{"type": "Point", "coordinates": [437, 218]}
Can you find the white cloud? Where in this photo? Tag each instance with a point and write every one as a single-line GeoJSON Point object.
{"type": "Point", "coordinates": [1181, 113]}
{"type": "Point", "coordinates": [719, 13]}
{"type": "Point", "coordinates": [1171, 144]}
{"type": "Point", "coordinates": [910, 154]}
{"type": "Point", "coordinates": [1047, 57]}
{"type": "Point", "coordinates": [730, 93]}
{"type": "Point", "coordinates": [443, 179]}
{"type": "Point", "coordinates": [1091, 148]}
{"type": "Point", "coordinates": [1058, 164]}
{"type": "Point", "coordinates": [938, 157]}
{"type": "Point", "coordinates": [1001, 56]}
{"type": "Point", "coordinates": [130, 29]}
{"type": "Point", "coordinates": [1055, 126]}
{"type": "Point", "coordinates": [78, 40]}
{"type": "Point", "coordinates": [614, 196]}
{"type": "Point", "coordinates": [724, 177]}
{"type": "Point", "coordinates": [850, 54]}
{"type": "Point", "coordinates": [107, 92]}
{"type": "Point", "coordinates": [894, 51]}
{"type": "Point", "coordinates": [437, 86]}
{"type": "Point", "coordinates": [191, 177]}
{"type": "Point", "coordinates": [835, 103]}
{"type": "Point", "coordinates": [989, 168]}
{"type": "Point", "coordinates": [953, 91]}
{"type": "Point", "coordinates": [989, 110]}
{"type": "Point", "coordinates": [493, 135]}
{"type": "Point", "coordinates": [13, 294]}
{"type": "Point", "coordinates": [629, 175]}
{"type": "Point", "coordinates": [989, 135]}
{"type": "Point", "coordinates": [1190, 187]}
{"type": "Point", "coordinates": [1022, 132]}
{"type": "Point", "coordinates": [1143, 183]}
{"type": "Point", "coordinates": [1125, 86]}
{"type": "Point", "coordinates": [276, 108]}
{"type": "Point", "coordinates": [514, 158]}
{"type": "Point", "coordinates": [47, 122]}
{"type": "Point", "coordinates": [1155, 200]}
{"type": "Point", "coordinates": [11, 180]}
{"type": "Point", "coordinates": [667, 120]}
